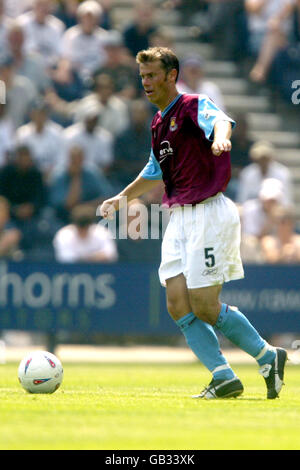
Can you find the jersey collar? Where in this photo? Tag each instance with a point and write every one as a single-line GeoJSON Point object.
{"type": "Point", "coordinates": [167, 109]}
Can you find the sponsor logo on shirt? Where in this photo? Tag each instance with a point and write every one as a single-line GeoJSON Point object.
{"type": "Point", "coordinates": [165, 151]}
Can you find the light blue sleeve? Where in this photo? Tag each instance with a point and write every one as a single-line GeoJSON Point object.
{"type": "Point", "coordinates": [208, 115]}
{"type": "Point", "coordinates": [152, 170]}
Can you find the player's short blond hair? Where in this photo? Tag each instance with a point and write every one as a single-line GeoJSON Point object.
{"type": "Point", "coordinates": [165, 55]}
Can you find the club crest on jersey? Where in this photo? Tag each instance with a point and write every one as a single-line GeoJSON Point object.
{"type": "Point", "coordinates": [173, 124]}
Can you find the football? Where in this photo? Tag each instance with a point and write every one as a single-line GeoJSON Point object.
{"type": "Point", "coordinates": [40, 372]}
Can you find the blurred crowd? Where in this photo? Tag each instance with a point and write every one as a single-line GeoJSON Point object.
{"type": "Point", "coordinates": [75, 125]}
{"type": "Point", "coordinates": [263, 34]}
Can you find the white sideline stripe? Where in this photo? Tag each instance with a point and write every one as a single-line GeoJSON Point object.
{"type": "Point", "coordinates": [225, 383]}
{"type": "Point", "coordinates": [267, 347]}
{"type": "Point", "coordinates": [219, 368]}
{"type": "Point", "coordinates": [262, 353]}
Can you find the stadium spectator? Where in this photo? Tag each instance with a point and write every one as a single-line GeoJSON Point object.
{"type": "Point", "coordinates": [137, 33]}
{"type": "Point", "coordinates": [264, 166]}
{"type": "Point", "coordinates": [258, 217]}
{"type": "Point", "coordinates": [162, 37]}
{"type": "Point", "coordinates": [113, 111]}
{"type": "Point", "coordinates": [106, 21]}
{"type": "Point", "coordinates": [220, 22]}
{"type": "Point", "coordinates": [76, 184]}
{"type": "Point", "coordinates": [10, 236]}
{"type": "Point", "coordinates": [43, 32]}
{"type": "Point", "coordinates": [239, 154]}
{"type": "Point", "coordinates": [192, 80]}
{"type": "Point", "coordinates": [285, 67]}
{"type": "Point", "coordinates": [84, 240]}
{"type": "Point", "coordinates": [66, 11]}
{"type": "Point", "coordinates": [7, 141]}
{"type": "Point", "coordinates": [4, 25]}
{"type": "Point", "coordinates": [269, 23]}
{"type": "Point", "coordinates": [21, 183]}
{"type": "Point", "coordinates": [14, 8]}
{"type": "Point", "coordinates": [225, 25]}
{"type": "Point", "coordinates": [96, 142]}
{"type": "Point", "coordinates": [20, 92]}
{"type": "Point", "coordinates": [43, 137]}
{"type": "Point", "coordinates": [28, 64]}
{"type": "Point", "coordinates": [66, 81]}
{"type": "Point", "coordinates": [120, 66]}
{"type": "Point", "coordinates": [297, 21]}
{"type": "Point", "coordinates": [83, 44]}
{"type": "Point", "coordinates": [188, 9]}
{"type": "Point", "coordinates": [284, 246]}
{"type": "Point", "coordinates": [241, 144]}
{"type": "Point", "coordinates": [131, 148]}
{"type": "Point", "coordinates": [251, 250]}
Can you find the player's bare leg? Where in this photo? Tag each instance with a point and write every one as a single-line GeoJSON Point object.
{"type": "Point", "coordinates": [202, 340]}
{"type": "Point", "coordinates": [205, 303]}
{"type": "Point", "coordinates": [178, 302]}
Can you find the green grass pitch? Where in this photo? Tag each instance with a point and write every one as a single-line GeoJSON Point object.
{"type": "Point", "coordinates": [135, 406]}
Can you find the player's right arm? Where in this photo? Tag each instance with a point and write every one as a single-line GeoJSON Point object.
{"type": "Point", "coordinates": [149, 177]}
{"type": "Point", "coordinates": [135, 189]}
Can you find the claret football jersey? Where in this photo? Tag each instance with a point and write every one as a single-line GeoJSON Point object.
{"type": "Point", "coordinates": [181, 153]}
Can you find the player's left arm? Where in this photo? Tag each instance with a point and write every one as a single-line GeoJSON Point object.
{"type": "Point", "coordinates": [215, 124]}
{"type": "Point", "coordinates": [222, 136]}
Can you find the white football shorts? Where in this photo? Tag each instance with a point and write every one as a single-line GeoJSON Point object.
{"type": "Point", "coordinates": [203, 243]}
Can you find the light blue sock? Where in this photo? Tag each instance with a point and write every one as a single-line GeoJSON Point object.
{"type": "Point", "coordinates": [235, 326]}
{"type": "Point", "coordinates": [204, 343]}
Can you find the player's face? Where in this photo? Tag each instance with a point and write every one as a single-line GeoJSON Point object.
{"type": "Point", "coordinates": [156, 83]}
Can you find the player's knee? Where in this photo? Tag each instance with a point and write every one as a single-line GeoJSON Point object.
{"type": "Point", "coordinates": [208, 313]}
{"type": "Point", "coordinates": [175, 308]}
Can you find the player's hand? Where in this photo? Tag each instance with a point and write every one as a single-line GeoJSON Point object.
{"type": "Point", "coordinates": [220, 146]}
{"type": "Point", "coordinates": [109, 207]}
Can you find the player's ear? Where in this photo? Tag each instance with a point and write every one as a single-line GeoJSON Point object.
{"type": "Point", "coordinates": [173, 75]}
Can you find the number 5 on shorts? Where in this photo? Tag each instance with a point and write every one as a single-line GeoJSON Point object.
{"type": "Point", "coordinates": [210, 258]}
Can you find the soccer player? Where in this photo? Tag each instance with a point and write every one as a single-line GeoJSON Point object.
{"type": "Point", "coordinates": [200, 250]}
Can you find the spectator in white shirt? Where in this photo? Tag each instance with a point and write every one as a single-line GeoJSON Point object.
{"type": "Point", "coordinates": [264, 166]}
{"type": "Point", "coordinates": [269, 26]}
{"type": "Point", "coordinates": [83, 44]}
{"type": "Point", "coordinates": [4, 24]}
{"type": "Point", "coordinates": [43, 32]}
{"type": "Point", "coordinates": [84, 240]}
{"type": "Point", "coordinates": [27, 64]}
{"type": "Point", "coordinates": [20, 92]}
{"type": "Point", "coordinates": [258, 214]}
{"type": "Point", "coordinates": [14, 8]}
{"type": "Point", "coordinates": [113, 111]}
{"type": "Point", "coordinates": [96, 142]}
{"type": "Point", "coordinates": [43, 137]}
{"type": "Point", "coordinates": [192, 80]}
{"type": "Point", "coordinates": [6, 136]}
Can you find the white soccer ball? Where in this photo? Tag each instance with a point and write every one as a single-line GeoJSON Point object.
{"type": "Point", "coordinates": [40, 372]}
